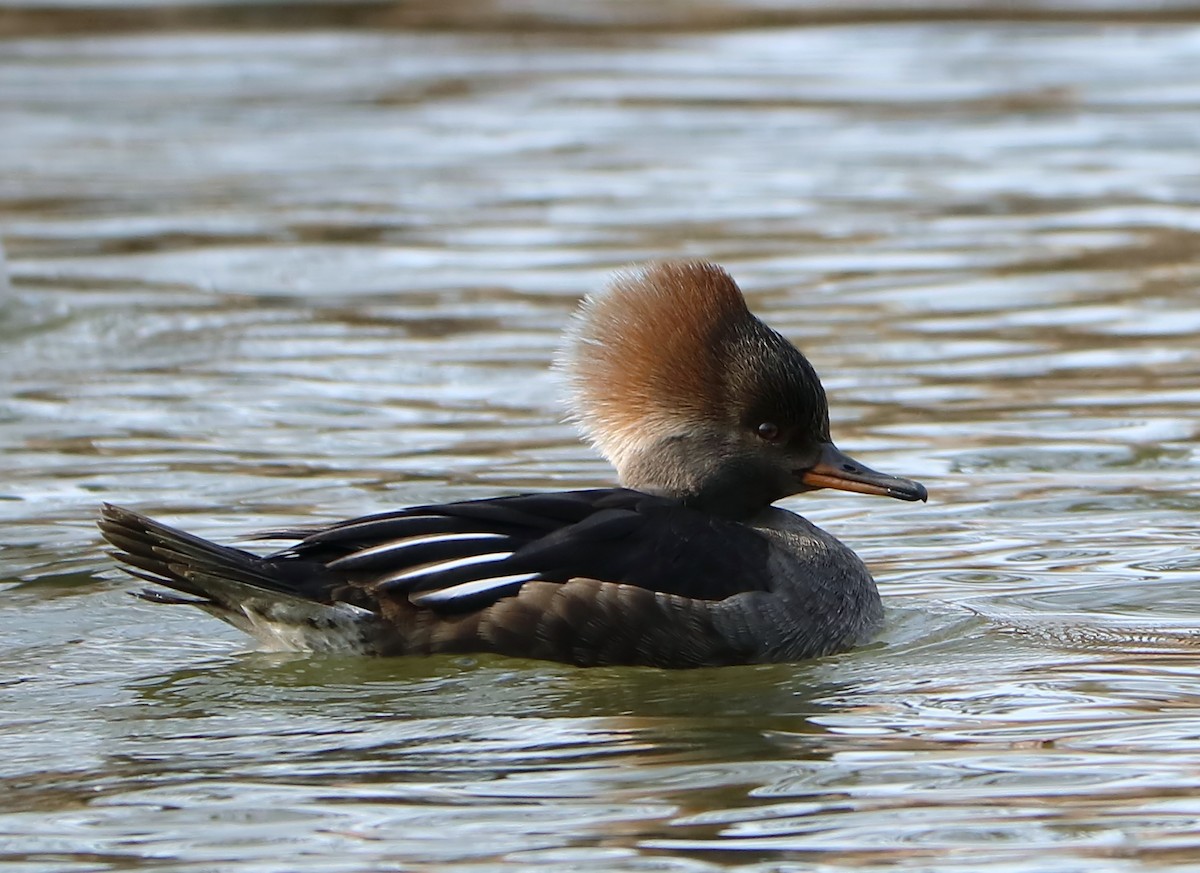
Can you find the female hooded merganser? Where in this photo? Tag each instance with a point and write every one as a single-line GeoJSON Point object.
{"type": "Point", "coordinates": [708, 415]}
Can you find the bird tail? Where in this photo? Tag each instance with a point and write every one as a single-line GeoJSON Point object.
{"type": "Point", "coordinates": [273, 601]}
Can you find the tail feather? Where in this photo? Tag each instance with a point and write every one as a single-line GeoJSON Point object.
{"type": "Point", "coordinates": [153, 595]}
{"type": "Point", "coordinates": [179, 560]}
{"type": "Point", "coordinates": [282, 607]}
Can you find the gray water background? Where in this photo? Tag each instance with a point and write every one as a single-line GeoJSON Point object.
{"type": "Point", "coordinates": [271, 264]}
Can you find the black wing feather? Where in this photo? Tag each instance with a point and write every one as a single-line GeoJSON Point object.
{"type": "Point", "coordinates": [439, 556]}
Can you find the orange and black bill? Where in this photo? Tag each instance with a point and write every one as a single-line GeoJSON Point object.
{"type": "Point", "coordinates": [834, 469]}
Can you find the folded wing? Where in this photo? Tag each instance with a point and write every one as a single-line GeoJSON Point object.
{"type": "Point", "coordinates": [464, 556]}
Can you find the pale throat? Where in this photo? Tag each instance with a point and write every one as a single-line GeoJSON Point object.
{"type": "Point", "coordinates": [706, 470]}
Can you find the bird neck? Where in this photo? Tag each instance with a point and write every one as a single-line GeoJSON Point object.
{"type": "Point", "coordinates": [706, 472]}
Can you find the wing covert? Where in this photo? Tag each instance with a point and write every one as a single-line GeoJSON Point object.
{"type": "Point", "coordinates": [463, 556]}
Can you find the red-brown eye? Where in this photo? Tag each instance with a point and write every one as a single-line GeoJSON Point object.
{"type": "Point", "coordinates": [769, 431]}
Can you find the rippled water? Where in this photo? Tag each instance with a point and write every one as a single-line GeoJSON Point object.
{"type": "Point", "coordinates": [280, 264]}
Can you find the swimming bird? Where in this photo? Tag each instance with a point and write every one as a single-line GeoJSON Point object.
{"type": "Point", "coordinates": [709, 417]}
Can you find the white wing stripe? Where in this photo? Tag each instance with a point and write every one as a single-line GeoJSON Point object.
{"type": "Point", "coordinates": [371, 522]}
{"type": "Point", "coordinates": [418, 540]}
{"type": "Point", "coordinates": [440, 566]}
{"type": "Point", "coordinates": [444, 595]}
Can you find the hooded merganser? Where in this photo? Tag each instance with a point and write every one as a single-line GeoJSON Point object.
{"type": "Point", "coordinates": [708, 415]}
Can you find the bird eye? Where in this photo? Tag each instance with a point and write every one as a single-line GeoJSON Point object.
{"type": "Point", "coordinates": [768, 431]}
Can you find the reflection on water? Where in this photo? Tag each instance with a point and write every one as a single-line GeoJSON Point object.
{"type": "Point", "coordinates": [296, 263]}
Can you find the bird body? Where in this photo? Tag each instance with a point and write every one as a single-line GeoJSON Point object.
{"type": "Point", "coordinates": [709, 417]}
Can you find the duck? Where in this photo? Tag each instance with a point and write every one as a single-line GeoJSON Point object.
{"type": "Point", "coordinates": [708, 416]}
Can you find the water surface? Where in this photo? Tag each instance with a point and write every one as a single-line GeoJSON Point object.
{"type": "Point", "coordinates": [300, 263]}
